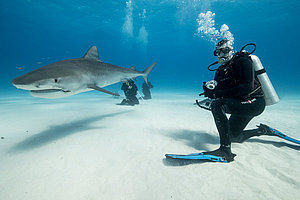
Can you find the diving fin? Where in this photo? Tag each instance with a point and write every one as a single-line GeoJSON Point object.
{"type": "Point", "coordinates": [198, 156]}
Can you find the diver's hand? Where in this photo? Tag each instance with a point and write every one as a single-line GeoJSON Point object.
{"type": "Point", "coordinates": [210, 94]}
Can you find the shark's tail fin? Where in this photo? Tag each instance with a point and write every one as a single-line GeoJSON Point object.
{"type": "Point", "coordinates": [147, 71]}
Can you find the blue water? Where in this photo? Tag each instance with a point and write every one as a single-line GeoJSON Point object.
{"type": "Point", "coordinates": [138, 32]}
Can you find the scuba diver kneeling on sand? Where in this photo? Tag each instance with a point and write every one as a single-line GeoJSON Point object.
{"type": "Point", "coordinates": [146, 90]}
{"type": "Point", "coordinates": [130, 91]}
{"type": "Point", "coordinates": [236, 90]}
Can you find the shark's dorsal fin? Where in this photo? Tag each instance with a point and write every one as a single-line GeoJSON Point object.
{"type": "Point", "coordinates": [92, 54]}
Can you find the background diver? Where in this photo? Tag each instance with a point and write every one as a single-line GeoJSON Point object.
{"type": "Point", "coordinates": [146, 90]}
{"type": "Point", "coordinates": [130, 91]}
{"type": "Point", "coordinates": [236, 90]}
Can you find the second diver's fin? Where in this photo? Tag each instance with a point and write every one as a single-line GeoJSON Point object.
{"type": "Point", "coordinates": [274, 132]}
{"type": "Point", "coordinates": [102, 90]}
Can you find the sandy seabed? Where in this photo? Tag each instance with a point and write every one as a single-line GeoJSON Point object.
{"type": "Point", "coordinates": [86, 147]}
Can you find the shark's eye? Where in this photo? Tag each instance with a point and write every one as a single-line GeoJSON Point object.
{"type": "Point", "coordinates": [55, 80]}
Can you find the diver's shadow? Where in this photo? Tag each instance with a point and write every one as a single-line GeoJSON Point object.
{"type": "Point", "coordinates": [181, 162]}
{"type": "Point", "coordinates": [197, 140]}
{"type": "Point", "coordinates": [57, 132]}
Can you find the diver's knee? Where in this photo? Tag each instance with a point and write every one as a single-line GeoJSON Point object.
{"type": "Point", "coordinates": [236, 139]}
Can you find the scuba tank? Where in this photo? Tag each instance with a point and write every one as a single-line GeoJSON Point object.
{"type": "Point", "coordinates": [270, 94]}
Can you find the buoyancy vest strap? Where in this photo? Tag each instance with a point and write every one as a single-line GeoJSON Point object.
{"type": "Point", "coordinates": [261, 71]}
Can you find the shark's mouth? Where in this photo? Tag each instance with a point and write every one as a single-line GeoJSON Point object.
{"type": "Point", "coordinates": [49, 91]}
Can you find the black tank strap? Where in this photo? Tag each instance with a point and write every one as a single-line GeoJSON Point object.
{"type": "Point", "coordinates": [259, 72]}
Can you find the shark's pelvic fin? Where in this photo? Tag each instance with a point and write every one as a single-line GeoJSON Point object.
{"type": "Point", "coordinates": [92, 54]}
{"type": "Point", "coordinates": [95, 87]}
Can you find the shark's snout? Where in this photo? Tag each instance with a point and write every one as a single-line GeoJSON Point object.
{"type": "Point", "coordinates": [25, 87]}
{"type": "Point", "coordinates": [17, 81]}
{"type": "Point", "coordinates": [20, 83]}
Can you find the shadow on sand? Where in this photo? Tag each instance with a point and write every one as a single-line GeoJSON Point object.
{"type": "Point", "coordinates": [57, 132]}
{"type": "Point", "coordinates": [197, 140]}
{"type": "Point", "coordinates": [179, 162]}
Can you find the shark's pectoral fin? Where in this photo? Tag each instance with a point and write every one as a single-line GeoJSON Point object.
{"type": "Point", "coordinates": [102, 90]}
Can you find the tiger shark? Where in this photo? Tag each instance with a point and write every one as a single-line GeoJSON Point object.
{"type": "Point", "coordinates": [73, 76]}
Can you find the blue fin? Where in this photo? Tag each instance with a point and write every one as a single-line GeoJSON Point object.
{"type": "Point", "coordinates": [198, 156]}
{"type": "Point", "coordinates": [283, 136]}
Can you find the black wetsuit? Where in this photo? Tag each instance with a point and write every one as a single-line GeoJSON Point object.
{"type": "Point", "coordinates": [238, 93]}
{"type": "Point", "coordinates": [146, 90]}
{"type": "Point", "coordinates": [130, 91]}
